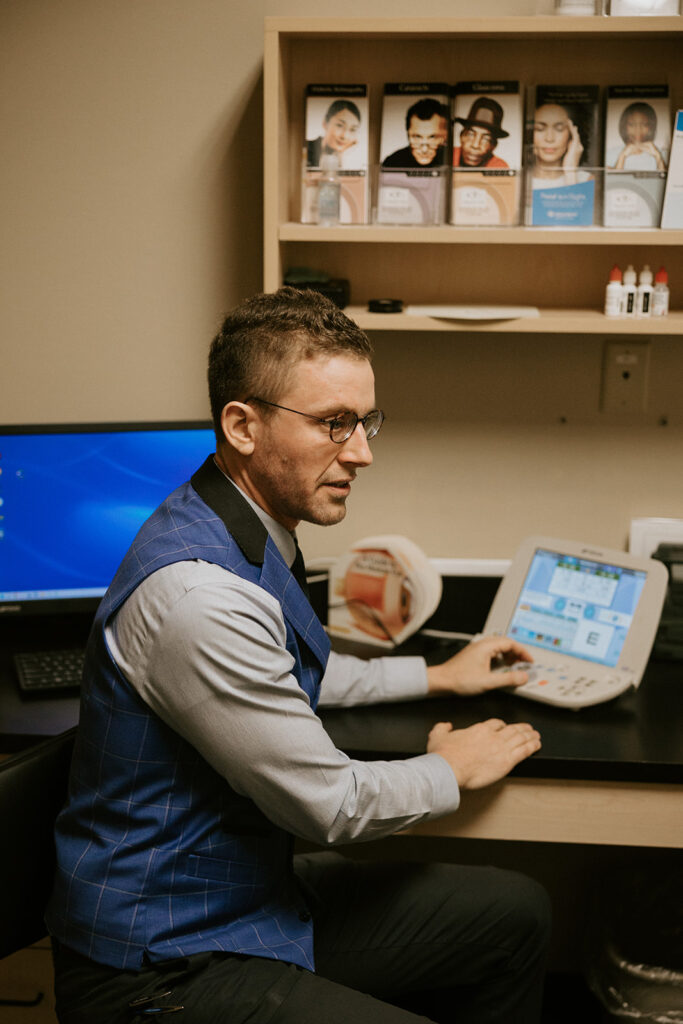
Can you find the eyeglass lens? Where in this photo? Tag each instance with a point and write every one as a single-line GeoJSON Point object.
{"type": "Point", "coordinates": [345, 424]}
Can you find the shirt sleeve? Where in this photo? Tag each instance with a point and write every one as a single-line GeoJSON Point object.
{"type": "Point", "coordinates": [350, 681]}
{"type": "Point", "coordinates": [209, 657]}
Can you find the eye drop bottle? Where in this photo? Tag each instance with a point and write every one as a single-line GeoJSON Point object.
{"type": "Point", "coordinates": [628, 295]}
{"type": "Point", "coordinates": [644, 293]}
{"type": "Point", "coordinates": [613, 293]}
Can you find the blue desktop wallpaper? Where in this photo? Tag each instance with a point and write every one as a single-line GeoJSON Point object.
{"type": "Point", "coordinates": [71, 503]}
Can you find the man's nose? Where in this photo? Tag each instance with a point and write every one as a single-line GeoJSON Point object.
{"type": "Point", "coordinates": [356, 449]}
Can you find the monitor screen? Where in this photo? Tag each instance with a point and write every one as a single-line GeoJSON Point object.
{"type": "Point", "coordinates": [576, 606]}
{"type": "Point", "coordinates": [73, 497]}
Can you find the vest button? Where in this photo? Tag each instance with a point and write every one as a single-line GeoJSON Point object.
{"type": "Point", "coordinates": [304, 916]}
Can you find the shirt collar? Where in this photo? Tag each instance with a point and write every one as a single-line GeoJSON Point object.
{"type": "Point", "coordinates": [284, 540]}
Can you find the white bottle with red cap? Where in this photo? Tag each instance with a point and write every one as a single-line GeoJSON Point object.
{"type": "Point", "coordinates": [613, 293]}
{"type": "Point", "coordinates": [660, 295]}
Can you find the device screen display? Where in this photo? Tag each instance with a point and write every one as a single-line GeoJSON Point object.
{"type": "Point", "coordinates": [576, 606]}
{"type": "Point", "coordinates": [71, 503]}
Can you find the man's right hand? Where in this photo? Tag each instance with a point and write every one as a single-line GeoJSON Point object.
{"type": "Point", "coordinates": [485, 752]}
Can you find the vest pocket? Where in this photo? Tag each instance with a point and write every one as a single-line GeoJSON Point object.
{"type": "Point", "coordinates": [230, 872]}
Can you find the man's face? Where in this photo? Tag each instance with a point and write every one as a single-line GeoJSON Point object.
{"type": "Point", "coordinates": [475, 145]}
{"type": "Point", "coordinates": [296, 472]}
{"type": "Point", "coordinates": [425, 137]}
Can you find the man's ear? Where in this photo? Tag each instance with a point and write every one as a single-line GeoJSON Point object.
{"type": "Point", "coordinates": [238, 422]}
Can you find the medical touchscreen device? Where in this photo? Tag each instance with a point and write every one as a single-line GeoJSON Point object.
{"type": "Point", "coordinates": [588, 616]}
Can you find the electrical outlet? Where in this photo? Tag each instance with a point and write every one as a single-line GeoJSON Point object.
{"type": "Point", "coordinates": [624, 376]}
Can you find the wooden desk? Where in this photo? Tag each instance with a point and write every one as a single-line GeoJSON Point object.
{"type": "Point", "coordinates": [566, 811]}
{"type": "Point", "coordinates": [604, 793]}
{"type": "Point", "coordinates": [611, 774]}
{"type": "Point", "coordinates": [608, 775]}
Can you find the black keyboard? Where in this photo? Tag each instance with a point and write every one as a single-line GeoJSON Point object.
{"type": "Point", "coordinates": [45, 673]}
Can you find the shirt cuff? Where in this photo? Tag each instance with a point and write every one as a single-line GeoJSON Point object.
{"type": "Point", "coordinates": [408, 677]}
{"type": "Point", "coordinates": [445, 789]}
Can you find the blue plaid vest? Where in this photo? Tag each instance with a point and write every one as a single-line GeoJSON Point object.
{"type": "Point", "coordinates": [157, 857]}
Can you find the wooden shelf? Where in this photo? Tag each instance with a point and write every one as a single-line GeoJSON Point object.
{"type": "Point", "coordinates": [501, 265]}
{"type": "Point", "coordinates": [488, 28]}
{"type": "Point", "coordinates": [448, 235]}
{"type": "Point", "coordinates": [550, 321]}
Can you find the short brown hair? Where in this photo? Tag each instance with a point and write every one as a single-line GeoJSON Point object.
{"type": "Point", "coordinates": [262, 340]}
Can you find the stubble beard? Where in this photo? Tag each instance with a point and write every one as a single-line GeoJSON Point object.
{"type": "Point", "coordinates": [322, 512]}
{"type": "Point", "coordinates": [327, 513]}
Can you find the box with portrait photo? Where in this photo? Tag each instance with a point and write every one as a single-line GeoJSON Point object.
{"type": "Point", "coordinates": [487, 153]}
{"type": "Point", "coordinates": [564, 156]}
{"type": "Point", "coordinates": [336, 122]}
{"type": "Point", "coordinates": [412, 183]}
{"type": "Point", "coordinates": [637, 145]}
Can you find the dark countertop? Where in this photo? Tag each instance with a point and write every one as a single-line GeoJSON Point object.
{"type": "Point", "coordinates": [637, 737]}
{"type": "Point", "coordinates": [25, 721]}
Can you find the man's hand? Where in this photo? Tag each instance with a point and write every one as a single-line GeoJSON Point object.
{"type": "Point", "coordinates": [485, 752]}
{"type": "Point", "coordinates": [470, 671]}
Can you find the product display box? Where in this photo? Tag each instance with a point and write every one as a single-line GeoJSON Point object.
{"type": "Point", "coordinates": [564, 156]}
{"type": "Point", "coordinates": [672, 212]}
{"type": "Point", "coordinates": [487, 153]}
{"type": "Point", "coordinates": [336, 122]}
{"type": "Point", "coordinates": [637, 145]}
{"type": "Point", "coordinates": [412, 185]}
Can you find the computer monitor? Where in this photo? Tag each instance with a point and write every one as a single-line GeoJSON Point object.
{"type": "Point", "coordinates": [72, 498]}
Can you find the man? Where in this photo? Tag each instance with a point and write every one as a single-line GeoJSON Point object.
{"type": "Point", "coordinates": [479, 135]}
{"type": "Point", "coordinates": [427, 129]}
{"type": "Point", "coordinates": [199, 754]}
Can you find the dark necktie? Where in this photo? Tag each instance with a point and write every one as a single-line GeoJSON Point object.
{"type": "Point", "coordinates": [298, 569]}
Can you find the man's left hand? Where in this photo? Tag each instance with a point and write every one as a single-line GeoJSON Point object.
{"type": "Point", "coordinates": [471, 670]}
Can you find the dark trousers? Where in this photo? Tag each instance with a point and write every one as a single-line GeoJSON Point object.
{"type": "Point", "coordinates": [394, 944]}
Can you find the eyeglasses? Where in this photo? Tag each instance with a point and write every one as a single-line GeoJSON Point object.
{"type": "Point", "coordinates": [430, 141]}
{"type": "Point", "coordinates": [341, 426]}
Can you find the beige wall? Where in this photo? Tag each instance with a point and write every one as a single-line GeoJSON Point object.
{"type": "Point", "coordinates": [131, 200]}
{"type": "Point", "coordinates": [131, 194]}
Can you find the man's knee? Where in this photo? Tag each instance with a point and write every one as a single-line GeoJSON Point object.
{"type": "Point", "coordinates": [509, 910]}
{"type": "Point", "coordinates": [528, 916]}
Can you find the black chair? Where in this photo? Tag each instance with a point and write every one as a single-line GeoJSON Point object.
{"type": "Point", "coordinates": [32, 790]}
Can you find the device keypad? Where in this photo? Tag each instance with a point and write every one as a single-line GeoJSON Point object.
{"type": "Point", "coordinates": [556, 684]}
